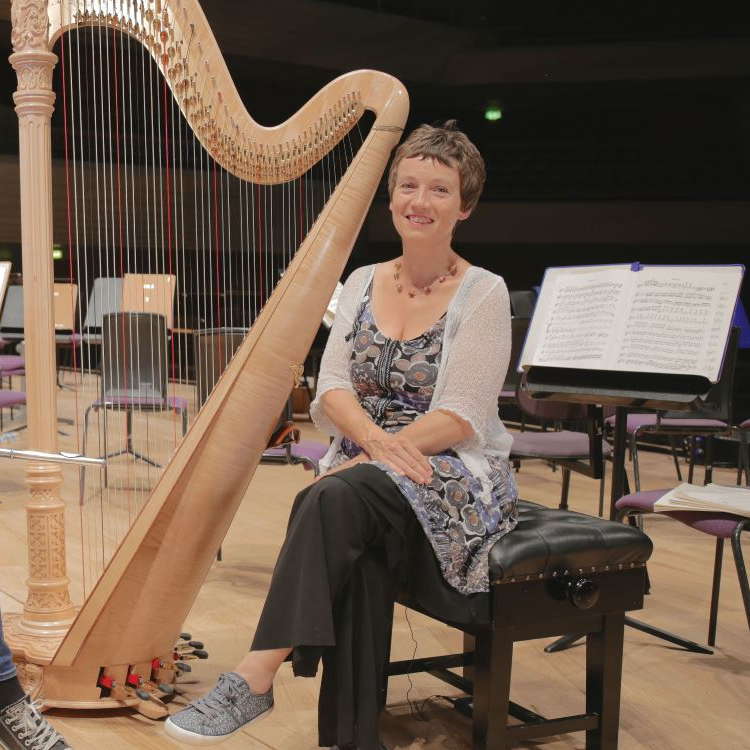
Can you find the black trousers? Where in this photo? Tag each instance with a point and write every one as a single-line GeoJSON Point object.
{"type": "Point", "coordinates": [332, 594]}
{"type": "Point", "coordinates": [352, 543]}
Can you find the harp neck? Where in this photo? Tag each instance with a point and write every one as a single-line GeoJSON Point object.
{"type": "Point", "coordinates": [177, 35]}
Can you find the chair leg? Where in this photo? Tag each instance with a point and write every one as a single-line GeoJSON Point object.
{"type": "Point", "coordinates": [743, 458]}
{"type": "Point", "coordinates": [104, 427]}
{"type": "Point", "coordinates": [470, 647]}
{"type": "Point", "coordinates": [708, 459]}
{"type": "Point", "coordinates": [691, 462]}
{"type": "Point", "coordinates": [603, 677]}
{"type": "Point", "coordinates": [634, 453]}
{"type": "Point", "coordinates": [493, 662]}
{"type": "Point", "coordinates": [565, 490]}
{"type": "Point", "coordinates": [184, 421]}
{"type": "Point", "coordinates": [602, 483]}
{"type": "Point", "coordinates": [739, 562]}
{"type": "Point", "coordinates": [384, 683]}
{"type": "Point", "coordinates": [674, 458]}
{"type": "Point", "coordinates": [82, 470]}
{"type": "Point", "coordinates": [715, 590]}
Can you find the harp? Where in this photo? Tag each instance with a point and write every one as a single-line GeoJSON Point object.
{"type": "Point", "coordinates": [125, 628]}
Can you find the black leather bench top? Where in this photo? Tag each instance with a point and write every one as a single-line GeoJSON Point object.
{"type": "Point", "coordinates": [548, 542]}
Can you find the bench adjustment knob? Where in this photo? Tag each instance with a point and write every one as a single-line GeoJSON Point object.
{"type": "Point", "coordinates": [583, 593]}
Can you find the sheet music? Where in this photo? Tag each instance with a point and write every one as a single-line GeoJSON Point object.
{"type": "Point", "coordinates": [664, 319]}
{"type": "Point", "coordinates": [677, 321]}
{"type": "Point", "coordinates": [4, 277]}
{"type": "Point", "coordinates": [583, 313]}
{"type": "Point", "coordinates": [574, 316]}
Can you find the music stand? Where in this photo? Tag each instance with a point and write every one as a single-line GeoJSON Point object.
{"type": "Point", "coordinates": [626, 391]}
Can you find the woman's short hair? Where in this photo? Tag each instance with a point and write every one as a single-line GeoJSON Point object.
{"type": "Point", "coordinates": [448, 145]}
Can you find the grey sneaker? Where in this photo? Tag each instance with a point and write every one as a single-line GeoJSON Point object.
{"type": "Point", "coordinates": [215, 717]}
{"type": "Point", "coordinates": [22, 727]}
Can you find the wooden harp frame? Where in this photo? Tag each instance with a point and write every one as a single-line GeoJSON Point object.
{"type": "Point", "coordinates": [166, 554]}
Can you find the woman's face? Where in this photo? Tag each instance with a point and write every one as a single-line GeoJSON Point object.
{"type": "Point", "coordinates": [426, 200]}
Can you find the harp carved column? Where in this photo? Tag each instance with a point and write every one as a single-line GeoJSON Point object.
{"type": "Point", "coordinates": [48, 610]}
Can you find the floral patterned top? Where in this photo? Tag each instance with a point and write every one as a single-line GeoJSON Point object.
{"type": "Point", "coordinates": [394, 381]}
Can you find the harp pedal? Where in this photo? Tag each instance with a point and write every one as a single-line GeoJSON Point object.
{"type": "Point", "coordinates": [163, 673]}
{"type": "Point", "coordinates": [150, 705]}
{"type": "Point", "coordinates": [187, 649]}
{"type": "Point", "coordinates": [150, 696]}
{"type": "Point", "coordinates": [111, 688]}
{"type": "Point", "coordinates": [188, 654]}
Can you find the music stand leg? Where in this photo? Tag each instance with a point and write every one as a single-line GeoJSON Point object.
{"type": "Point", "coordinates": [665, 635]}
{"type": "Point", "coordinates": [562, 643]}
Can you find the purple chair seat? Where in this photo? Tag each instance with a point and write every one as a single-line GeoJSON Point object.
{"type": "Point", "coordinates": [11, 398]}
{"type": "Point", "coordinates": [305, 449]}
{"type": "Point", "coordinates": [10, 363]}
{"type": "Point", "coordinates": [564, 444]}
{"type": "Point", "coordinates": [745, 425]}
{"type": "Point", "coordinates": [721, 525]}
{"type": "Point", "coordinates": [639, 421]}
{"type": "Point", "coordinates": [142, 402]}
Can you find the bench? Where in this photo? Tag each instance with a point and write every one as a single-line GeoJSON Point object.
{"type": "Point", "coordinates": [557, 572]}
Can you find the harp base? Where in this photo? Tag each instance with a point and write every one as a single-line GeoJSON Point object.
{"type": "Point", "coordinates": [32, 647]}
{"type": "Point", "coordinates": [80, 688]}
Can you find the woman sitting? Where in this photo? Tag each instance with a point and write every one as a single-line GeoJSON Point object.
{"type": "Point", "coordinates": [417, 475]}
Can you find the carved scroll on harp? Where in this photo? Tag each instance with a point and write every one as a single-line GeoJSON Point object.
{"type": "Point", "coordinates": [118, 636]}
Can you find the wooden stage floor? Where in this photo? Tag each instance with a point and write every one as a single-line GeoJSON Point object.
{"type": "Point", "coordinates": [671, 699]}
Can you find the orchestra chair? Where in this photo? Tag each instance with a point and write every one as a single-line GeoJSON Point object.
{"type": "Point", "coordinates": [11, 365]}
{"type": "Point", "coordinates": [286, 447]}
{"type": "Point", "coordinates": [150, 293]}
{"type": "Point", "coordinates": [571, 450]}
{"type": "Point", "coordinates": [518, 328]}
{"type": "Point", "coordinates": [105, 297]}
{"type": "Point", "coordinates": [64, 297]}
{"type": "Point", "coordinates": [213, 348]}
{"type": "Point", "coordinates": [9, 400]}
{"type": "Point", "coordinates": [711, 419]}
{"type": "Point", "coordinates": [719, 525]}
{"type": "Point", "coordinates": [557, 572]}
{"type": "Point", "coordinates": [134, 378]}
{"type": "Point", "coordinates": [11, 321]}
{"type": "Point", "coordinates": [522, 303]}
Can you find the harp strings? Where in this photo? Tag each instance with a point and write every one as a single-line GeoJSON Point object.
{"type": "Point", "coordinates": [144, 200]}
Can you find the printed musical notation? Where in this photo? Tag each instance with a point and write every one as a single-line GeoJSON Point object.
{"type": "Point", "coordinates": [666, 326]}
{"type": "Point", "coordinates": [581, 316]}
{"type": "Point", "coordinates": [668, 319]}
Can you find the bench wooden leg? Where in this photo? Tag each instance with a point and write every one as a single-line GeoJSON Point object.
{"type": "Point", "coordinates": [470, 645]}
{"type": "Point", "coordinates": [603, 675]}
{"type": "Point", "coordinates": [492, 669]}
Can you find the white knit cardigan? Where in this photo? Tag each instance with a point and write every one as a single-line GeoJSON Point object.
{"type": "Point", "coordinates": [474, 361]}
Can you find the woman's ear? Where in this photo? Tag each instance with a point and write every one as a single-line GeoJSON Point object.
{"type": "Point", "coordinates": [463, 215]}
